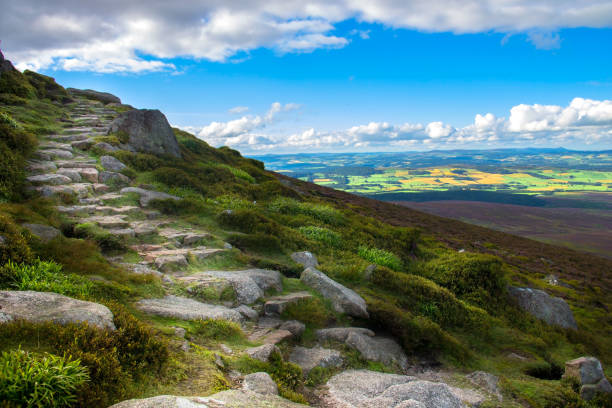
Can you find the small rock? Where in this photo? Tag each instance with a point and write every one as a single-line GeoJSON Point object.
{"type": "Point", "coordinates": [110, 163]}
{"type": "Point", "coordinates": [194, 238]}
{"type": "Point", "coordinates": [180, 332]}
{"type": "Point", "coordinates": [486, 381]}
{"type": "Point", "coordinates": [105, 147]}
{"type": "Point", "coordinates": [275, 306]}
{"type": "Point", "coordinates": [305, 258]}
{"type": "Point", "coordinates": [107, 177]}
{"type": "Point", "coordinates": [84, 144]}
{"type": "Point", "coordinates": [227, 245]}
{"type": "Point", "coordinates": [219, 361]}
{"type": "Point", "coordinates": [262, 353]}
{"type": "Point", "coordinates": [45, 232]}
{"type": "Point", "coordinates": [343, 299]}
{"type": "Point", "coordinates": [247, 312]}
{"type": "Point", "coordinates": [71, 174]}
{"type": "Point", "coordinates": [381, 349]}
{"type": "Point", "coordinates": [170, 263]}
{"type": "Point", "coordinates": [89, 174]}
{"type": "Point", "coordinates": [225, 349]}
{"type": "Point", "coordinates": [367, 273]}
{"type": "Point", "coordinates": [261, 383]}
{"type": "Point", "coordinates": [101, 188]}
{"type": "Point", "coordinates": [309, 358]}
{"type": "Point", "coordinates": [295, 327]}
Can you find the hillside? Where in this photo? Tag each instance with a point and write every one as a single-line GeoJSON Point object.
{"type": "Point", "coordinates": [138, 262]}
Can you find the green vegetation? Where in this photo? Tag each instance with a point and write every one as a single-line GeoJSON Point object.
{"type": "Point", "coordinates": [31, 380]}
{"type": "Point", "coordinates": [381, 257]}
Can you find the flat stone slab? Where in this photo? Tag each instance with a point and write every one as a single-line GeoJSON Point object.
{"type": "Point", "coordinates": [109, 221]}
{"type": "Point", "coordinates": [89, 174]}
{"type": "Point", "coordinates": [171, 263]}
{"type": "Point", "coordinates": [49, 179]}
{"type": "Point", "coordinates": [51, 307]}
{"type": "Point", "coordinates": [309, 358]}
{"type": "Point", "coordinates": [342, 333]}
{"type": "Point", "coordinates": [226, 399]}
{"type": "Point", "coordinates": [343, 299]}
{"type": "Point", "coordinates": [277, 305]}
{"type": "Point", "coordinates": [41, 167]}
{"type": "Point", "coordinates": [45, 232]}
{"type": "Point", "coordinates": [382, 349]}
{"type": "Point", "coordinates": [146, 196]}
{"type": "Point", "coordinates": [110, 163]}
{"type": "Point", "coordinates": [73, 175]}
{"type": "Point", "coordinates": [187, 309]}
{"type": "Point", "coordinates": [366, 389]}
{"type": "Point", "coordinates": [552, 310]}
{"type": "Point", "coordinates": [77, 164]}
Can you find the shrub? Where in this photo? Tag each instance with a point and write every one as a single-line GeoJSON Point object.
{"type": "Point", "coordinates": [43, 277]}
{"type": "Point", "coordinates": [114, 359]}
{"type": "Point", "coordinates": [239, 173]}
{"type": "Point", "coordinates": [106, 240]}
{"type": "Point", "coordinates": [32, 380]}
{"type": "Point", "coordinates": [424, 297]}
{"type": "Point", "coordinates": [320, 212]}
{"type": "Point", "coordinates": [15, 145]}
{"type": "Point", "coordinates": [309, 311]}
{"type": "Point", "coordinates": [380, 257]}
{"type": "Point", "coordinates": [211, 329]}
{"type": "Point", "coordinates": [256, 242]}
{"type": "Point", "coordinates": [14, 246]}
{"type": "Point", "coordinates": [478, 278]}
{"type": "Point", "coordinates": [416, 334]}
{"type": "Point", "coordinates": [188, 205]}
{"type": "Point", "coordinates": [173, 177]}
{"type": "Point", "coordinates": [323, 235]}
{"type": "Point", "coordinates": [248, 221]}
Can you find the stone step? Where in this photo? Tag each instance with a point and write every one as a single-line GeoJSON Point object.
{"type": "Point", "coordinates": [49, 179]}
{"type": "Point", "coordinates": [276, 306]}
{"type": "Point", "coordinates": [54, 145]}
{"type": "Point", "coordinates": [109, 221]}
{"type": "Point", "coordinates": [187, 309]}
{"type": "Point", "coordinates": [51, 154]}
{"type": "Point", "coordinates": [71, 164]}
{"type": "Point", "coordinates": [69, 138]}
{"type": "Point", "coordinates": [41, 167]}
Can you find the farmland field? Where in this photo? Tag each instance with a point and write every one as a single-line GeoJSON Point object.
{"type": "Point", "coordinates": [552, 195]}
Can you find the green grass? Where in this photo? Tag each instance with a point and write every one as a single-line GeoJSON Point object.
{"type": "Point", "coordinates": [381, 257]}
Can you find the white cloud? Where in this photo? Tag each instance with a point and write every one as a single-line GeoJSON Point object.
{"type": "Point", "coordinates": [140, 35]}
{"type": "Point", "coordinates": [582, 122]}
{"type": "Point", "coordinates": [238, 109]}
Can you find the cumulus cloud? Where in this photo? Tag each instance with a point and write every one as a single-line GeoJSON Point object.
{"type": "Point", "coordinates": [141, 35]}
{"type": "Point", "coordinates": [582, 122]}
{"type": "Point", "coordinates": [238, 109]}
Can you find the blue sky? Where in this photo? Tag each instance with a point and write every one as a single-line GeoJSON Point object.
{"type": "Point", "coordinates": [353, 84]}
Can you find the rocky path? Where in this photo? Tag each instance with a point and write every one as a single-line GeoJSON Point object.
{"type": "Point", "coordinates": [75, 167]}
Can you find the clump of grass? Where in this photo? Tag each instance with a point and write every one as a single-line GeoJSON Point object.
{"type": "Point", "coordinates": [238, 173]}
{"type": "Point", "coordinates": [323, 235]}
{"type": "Point", "coordinates": [217, 330]}
{"type": "Point", "coordinates": [15, 246]}
{"type": "Point", "coordinates": [40, 380]}
{"type": "Point", "coordinates": [380, 257]}
{"type": "Point", "coordinates": [106, 240]}
{"type": "Point", "coordinates": [310, 311]}
{"type": "Point", "coordinates": [44, 277]}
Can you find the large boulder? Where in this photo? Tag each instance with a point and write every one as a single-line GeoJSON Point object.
{"type": "Point", "coordinates": [148, 131]}
{"type": "Point", "coordinates": [45, 232]}
{"type": "Point", "coordinates": [553, 310]}
{"type": "Point", "coordinates": [589, 373]}
{"type": "Point", "coordinates": [365, 389]}
{"type": "Point", "coordinates": [225, 399]}
{"type": "Point", "coordinates": [40, 307]}
{"type": "Point", "coordinates": [103, 97]}
{"type": "Point", "coordinates": [343, 299]}
{"type": "Point", "coordinates": [187, 309]}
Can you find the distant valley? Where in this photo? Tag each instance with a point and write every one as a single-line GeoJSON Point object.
{"type": "Point", "coordinates": [553, 195]}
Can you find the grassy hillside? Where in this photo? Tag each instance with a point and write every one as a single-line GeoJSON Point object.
{"type": "Point", "coordinates": [441, 304]}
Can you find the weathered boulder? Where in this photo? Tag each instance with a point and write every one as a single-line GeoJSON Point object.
{"type": "Point", "coordinates": [589, 373]}
{"type": "Point", "coordinates": [187, 309]}
{"type": "Point", "coordinates": [553, 310]}
{"type": "Point", "coordinates": [170, 263]}
{"type": "Point", "coordinates": [343, 299]}
{"type": "Point", "coordinates": [309, 358]}
{"type": "Point", "coordinates": [103, 97]}
{"type": "Point", "coordinates": [262, 353]}
{"type": "Point", "coordinates": [146, 196]}
{"type": "Point", "coordinates": [45, 232]}
{"type": "Point", "coordinates": [260, 383]}
{"type": "Point", "coordinates": [110, 163]}
{"type": "Point", "coordinates": [148, 131]}
{"type": "Point", "coordinates": [51, 307]}
{"type": "Point", "coordinates": [364, 389]}
{"type": "Point", "coordinates": [105, 147]}
{"type": "Point", "coordinates": [247, 312]}
{"type": "Point", "coordinates": [305, 258]}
